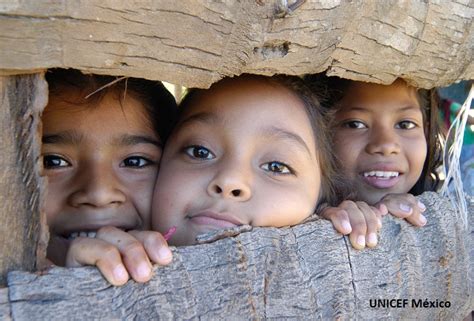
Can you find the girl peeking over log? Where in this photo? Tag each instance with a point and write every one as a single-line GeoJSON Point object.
{"type": "Point", "coordinates": [101, 145]}
{"type": "Point", "coordinates": [388, 142]}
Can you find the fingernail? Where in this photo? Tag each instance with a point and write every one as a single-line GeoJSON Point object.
{"type": "Point", "coordinates": [143, 270]}
{"type": "Point", "coordinates": [169, 233]}
{"type": "Point", "coordinates": [346, 226]}
{"type": "Point", "coordinates": [372, 238]}
{"type": "Point", "coordinates": [406, 208]}
{"type": "Point", "coordinates": [421, 206]}
{"type": "Point", "coordinates": [120, 273]}
{"type": "Point", "coordinates": [164, 253]}
{"type": "Point", "coordinates": [361, 240]}
{"type": "Point", "coordinates": [422, 220]}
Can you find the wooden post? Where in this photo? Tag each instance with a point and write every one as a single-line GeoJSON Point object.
{"type": "Point", "coordinates": [22, 100]}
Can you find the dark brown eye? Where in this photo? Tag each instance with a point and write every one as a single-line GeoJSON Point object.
{"type": "Point", "coordinates": [277, 168]}
{"type": "Point", "coordinates": [199, 152]}
{"type": "Point", "coordinates": [54, 161]}
{"type": "Point", "coordinates": [136, 161]}
{"type": "Point", "coordinates": [406, 124]}
{"type": "Point", "coordinates": [354, 124]}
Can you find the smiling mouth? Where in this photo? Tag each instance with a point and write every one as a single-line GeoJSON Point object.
{"type": "Point", "coordinates": [381, 174]}
{"type": "Point", "coordinates": [89, 234]}
{"type": "Point", "coordinates": [381, 179]}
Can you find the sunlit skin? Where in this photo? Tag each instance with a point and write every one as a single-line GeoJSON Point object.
{"type": "Point", "coordinates": [243, 152]}
{"type": "Point", "coordinates": [101, 162]}
{"type": "Point", "coordinates": [380, 139]}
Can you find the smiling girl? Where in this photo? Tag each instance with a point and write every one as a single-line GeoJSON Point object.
{"type": "Point", "coordinates": [388, 142]}
{"type": "Point", "coordinates": [101, 145]}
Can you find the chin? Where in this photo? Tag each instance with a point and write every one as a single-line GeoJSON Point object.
{"type": "Point", "coordinates": [372, 198]}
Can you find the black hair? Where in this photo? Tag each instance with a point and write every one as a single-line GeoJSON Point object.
{"type": "Point", "coordinates": [333, 188]}
{"type": "Point", "coordinates": [332, 90]}
{"type": "Point", "coordinates": [159, 103]}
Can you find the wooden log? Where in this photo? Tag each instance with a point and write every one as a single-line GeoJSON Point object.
{"type": "Point", "coordinates": [195, 43]}
{"type": "Point", "coordinates": [305, 272]}
{"type": "Point", "coordinates": [5, 314]}
{"type": "Point", "coordinates": [22, 100]}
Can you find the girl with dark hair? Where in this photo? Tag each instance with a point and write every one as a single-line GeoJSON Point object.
{"type": "Point", "coordinates": [102, 142]}
{"type": "Point", "coordinates": [387, 140]}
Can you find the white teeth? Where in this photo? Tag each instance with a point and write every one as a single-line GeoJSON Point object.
{"type": "Point", "coordinates": [381, 174]}
{"type": "Point", "coordinates": [90, 234]}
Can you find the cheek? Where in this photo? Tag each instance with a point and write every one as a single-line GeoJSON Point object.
{"type": "Point", "coordinates": [345, 146]}
{"type": "Point", "coordinates": [56, 197]}
{"type": "Point", "coordinates": [289, 205]}
{"type": "Point", "coordinates": [417, 154]}
{"type": "Point", "coordinates": [140, 191]}
{"type": "Point", "coordinates": [174, 191]}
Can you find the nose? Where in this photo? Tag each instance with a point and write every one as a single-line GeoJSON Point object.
{"type": "Point", "coordinates": [97, 186]}
{"type": "Point", "coordinates": [383, 141]}
{"type": "Point", "coordinates": [230, 183]}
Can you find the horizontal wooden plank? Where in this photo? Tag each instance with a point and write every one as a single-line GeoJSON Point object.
{"type": "Point", "coordinates": [195, 43]}
{"type": "Point", "coordinates": [305, 272]}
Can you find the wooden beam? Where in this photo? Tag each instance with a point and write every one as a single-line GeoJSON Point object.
{"type": "Point", "coordinates": [195, 43]}
{"type": "Point", "coordinates": [305, 272]}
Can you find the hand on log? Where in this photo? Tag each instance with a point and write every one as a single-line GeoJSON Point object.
{"type": "Point", "coordinates": [307, 271]}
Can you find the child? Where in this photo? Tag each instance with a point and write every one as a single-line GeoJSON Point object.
{"type": "Point", "coordinates": [250, 150]}
{"type": "Point", "coordinates": [102, 142]}
{"type": "Point", "coordinates": [388, 143]}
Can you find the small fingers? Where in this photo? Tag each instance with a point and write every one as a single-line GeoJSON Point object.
{"type": "Point", "coordinates": [107, 258]}
{"type": "Point", "coordinates": [155, 246]}
{"type": "Point", "coordinates": [358, 224]}
{"type": "Point", "coordinates": [406, 206]}
{"type": "Point", "coordinates": [339, 218]}
{"type": "Point", "coordinates": [133, 253]}
{"type": "Point", "coordinates": [372, 221]}
{"type": "Point", "coordinates": [417, 219]}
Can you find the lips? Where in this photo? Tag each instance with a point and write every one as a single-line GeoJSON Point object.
{"type": "Point", "coordinates": [215, 219]}
{"type": "Point", "coordinates": [383, 176]}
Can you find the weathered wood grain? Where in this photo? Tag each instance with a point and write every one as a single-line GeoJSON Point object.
{"type": "Point", "coordinates": [304, 272]}
{"type": "Point", "coordinates": [21, 100]}
{"type": "Point", "coordinates": [195, 43]}
{"type": "Point", "coordinates": [4, 305]}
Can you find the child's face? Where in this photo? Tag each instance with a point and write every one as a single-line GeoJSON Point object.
{"type": "Point", "coordinates": [243, 153]}
{"type": "Point", "coordinates": [380, 139]}
{"type": "Point", "coordinates": [101, 163]}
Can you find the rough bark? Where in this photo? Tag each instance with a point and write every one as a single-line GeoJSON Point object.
{"type": "Point", "coordinates": [195, 43]}
{"type": "Point", "coordinates": [22, 99]}
{"type": "Point", "coordinates": [305, 272]}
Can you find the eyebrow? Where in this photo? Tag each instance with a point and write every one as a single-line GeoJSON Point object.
{"type": "Point", "coordinates": [203, 117]}
{"type": "Point", "coordinates": [130, 140]}
{"type": "Point", "coordinates": [274, 131]}
{"type": "Point", "coordinates": [405, 108]}
{"type": "Point", "coordinates": [74, 138]}
{"type": "Point", "coordinates": [69, 137]}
